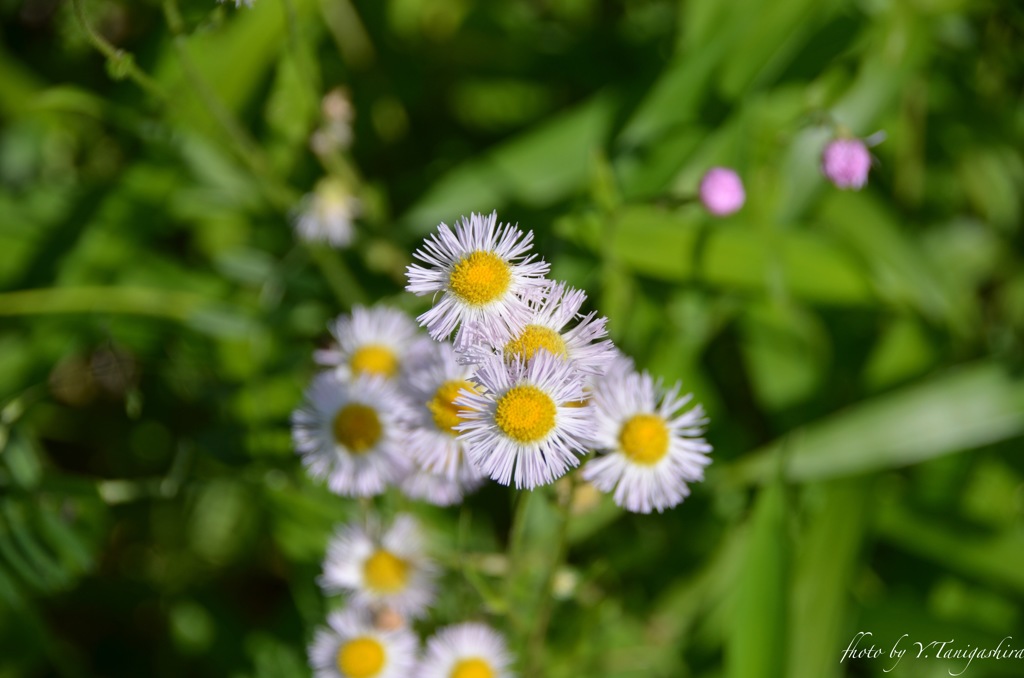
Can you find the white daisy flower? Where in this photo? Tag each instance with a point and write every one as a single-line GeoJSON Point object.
{"type": "Point", "coordinates": [653, 448]}
{"type": "Point", "coordinates": [484, 273]}
{"type": "Point", "coordinates": [352, 647]}
{"type": "Point", "coordinates": [469, 650]}
{"type": "Point", "coordinates": [326, 214]}
{"type": "Point", "coordinates": [370, 341]}
{"type": "Point", "coordinates": [432, 389]}
{"type": "Point", "coordinates": [381, 568]}
{"type": "Point", "coordinates": [351, 433]}
{"type": "Point", "coordinates": [438, 489]}
{"type": "Point", "coordinates": [523, 426]}
{"type": "Point", "coordinates": [548, 329]}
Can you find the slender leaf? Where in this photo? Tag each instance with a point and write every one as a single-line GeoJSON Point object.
{"type": "Point", "coordinates": [961, 409]}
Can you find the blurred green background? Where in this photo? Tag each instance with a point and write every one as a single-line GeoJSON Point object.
{"type": "Point", "coordinates": [860, 354]}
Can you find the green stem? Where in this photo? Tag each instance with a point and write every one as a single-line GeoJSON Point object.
{"type": "Point", "coordinates": [535, 649]}
{"type": "Point", "coordinates": [348, 32]}
{"type": "Point", "coordinates": [120, 60]}
{"type": "Point", "coordinates": [279, 194]}
{"type": "Point", "coordinates": [124, 300]}
{"type": "Point", "coordinates": [333, 163]}
{"type": "Point", "coordinates": [516, 538]}
{"type": "Point", "coordinates": [300, 49]}
{"type": "Point", "coordinates": [339, 277]}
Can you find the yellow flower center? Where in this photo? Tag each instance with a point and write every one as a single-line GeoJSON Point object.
{"type": "Point", "coordinates": [480, 278]}
{"type": "Point", "coordinates": [472, 668]}
{"type": "Point", "coordinates": [525, 413]}
{"type": "Point", "coordinates": [357, 427]}
{"type": "Point", "coordinates": [443, 408]}
{"type": "Point", "coordinates": [644, 439]}
{"type": "Point", "coordinates": [361, 657]}
{"type": "Point", "coordinates": [532, 339]}
{"type": "Point", "coordinates": [385, 572]}
{"type": "Point", "coordinates": [374, 359]}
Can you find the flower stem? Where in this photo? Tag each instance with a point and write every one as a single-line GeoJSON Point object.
{"type": "Point", "coordinates": [342, 281]}
{"type": "Point", "coordinates": [120, 61]}
{"type": "Point", "coordinates": [124, 300]}
{"type": "Point", "coordinates": [535, 646]}
{"type": "Point", "coordinates": [246, 149]}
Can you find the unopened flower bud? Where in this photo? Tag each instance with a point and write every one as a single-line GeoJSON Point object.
{"type": "Point", "coordinates": [721, 191]}
{"type": "Point", "coordinates": [845, 162]}
{"type": "Point", "coordinates": [336, 106]}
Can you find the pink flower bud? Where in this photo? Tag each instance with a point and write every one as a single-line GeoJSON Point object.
{"type": "Point", "coordinates": [721, 191]}
{"type": "Point", "coordinates": [845, 162]}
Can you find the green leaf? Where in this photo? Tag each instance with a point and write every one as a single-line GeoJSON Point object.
{"type": "Point", "coordinates": [20, 457]}
{"type": "Point", "coordinates": [532, 543]}
{"type": "Point", "coordinates": [292, 109]}
{"type": "Point", "coordinates": [682, 606]}
{"type": "Point", "coordinates": [221, 523]}
{"type": "Point", "coordinates": [274, 658]}
{"type": "Point", "coordinates": [993, 558]}
{"type": "Point", "coordinates": [826, 563]}
{"type": "Point", "coordinates": [51, 573]}
{"type": "Point", "coordinates": [72, 548]}
{"type": "Point", "coordinates": [961, 409]}
{"type": "Point", "coordinates": [903, 350]}
{"type": "Point", "coordinates": [20, 563]}
{"type": "Point", "coordinates": [18, 84]}
{"type": "Point", "coordinates": [772, 31]}
{"type": "Point", "coordinates": [547, 163]}
{"type": "Point", "coordinates": [756, 646]}
{"type": "Point", "coordinates": [235, 59]}
{"type": "Point", "coordinates": [675, 97]}
{"type": "Point", "coordinates": [901, 271]}
{"type": "Point", "coordinates": [786, 351]}
{"type": "Point", "coordinates": [680, 246]}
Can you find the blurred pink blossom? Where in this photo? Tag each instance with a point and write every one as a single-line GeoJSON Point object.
{"type": "Point", "coordinates": [845, 162]}
{"type": "Point", "coordinates": [721, 191]}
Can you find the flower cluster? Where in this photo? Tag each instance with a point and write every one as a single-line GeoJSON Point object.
{"type": "Point", "coordinates": [382, 413]}
{"type": "Point", "coordinates": [547, 386]}
{"type": "Point", "coordinates": [525, 389]}
{"type": "Point", "coordinates": [388, 581]}
{"type": "Point", "coordinates": [516, 383]}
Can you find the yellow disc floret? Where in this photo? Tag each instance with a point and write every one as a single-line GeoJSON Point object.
{"type": "Point", "coordinates": [525, 413]}
{"type": "Point", "coordinates": [385, 572]}
{"type": "Point", "coordinates": [361, 657]}
{"type": "Point", "coordinates": [480, 278]}
{"type": "Point", "coordinates": [374, 359]}
{"type": "Point", "coordinates": [644, 438]}
{"type": "Point", "coordinates": [443, 408]}
{"type": "Point", "coordinates": [532, 339]}
{"type": "Point", "coordinates": [472, 668]}
{"type": "Point", "coordinates": [357, 427]}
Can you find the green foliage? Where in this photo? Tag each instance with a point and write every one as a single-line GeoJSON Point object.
{"type": "Point", "coordinates": [859, 353]}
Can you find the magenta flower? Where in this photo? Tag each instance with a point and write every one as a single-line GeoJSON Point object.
{"type": "Point", "coordinates": [845, 162]}
{"type": "Point", "coordinates": [721, 191]}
